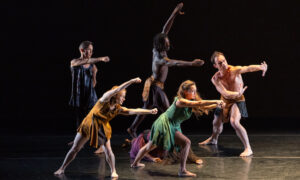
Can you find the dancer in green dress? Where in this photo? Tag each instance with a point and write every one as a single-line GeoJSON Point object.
{"type": "Point", "coordinates": [166, 130]}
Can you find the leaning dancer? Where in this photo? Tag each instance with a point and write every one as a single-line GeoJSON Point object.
{"type": "Point", "coordinates": [96, 128]}
{"type": "Point", "coordinates": [229, 77]}
{"type": "Point", "coordinates": [166, 130]}
{"type": "Point", "coordinates": [84, 70]}
{"type": "Point", "coordinates": [153, 93]}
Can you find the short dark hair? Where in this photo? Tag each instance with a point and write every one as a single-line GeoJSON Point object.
{"type": "Point", "coordinates": [85, 44]}
{"type": "Point", "coordinates": [214, 55]}
{"type": "Point", "coordinates": [159, 42]}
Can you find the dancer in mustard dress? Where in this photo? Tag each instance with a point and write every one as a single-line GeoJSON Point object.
{"type": "Point", "coordinates": [96, 128]}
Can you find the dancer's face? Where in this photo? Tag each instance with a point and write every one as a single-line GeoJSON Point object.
{"type": "Point", "coordinates": [221, 63]}
{"type": "Point", "coordinates": [121, 97]}
{"type": "Point", "coordinates": [88, 52]}
{"type": "Point", "coordinates": [190, 94]}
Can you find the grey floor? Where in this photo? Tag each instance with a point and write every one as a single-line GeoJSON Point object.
{"type": "Point", "coordinates": [276, 156]}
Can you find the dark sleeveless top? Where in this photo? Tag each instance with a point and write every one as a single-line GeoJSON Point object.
{"type": "Point", "coordinates": [83, 94]}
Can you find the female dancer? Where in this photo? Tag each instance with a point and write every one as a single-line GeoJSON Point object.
{"type": "Point", "coordinates": [166, 130]}
{"type": "Point", "coordinates": [96, 128]}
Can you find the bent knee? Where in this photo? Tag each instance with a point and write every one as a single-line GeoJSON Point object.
{"type": "Point", "coordinates": [187, 142]}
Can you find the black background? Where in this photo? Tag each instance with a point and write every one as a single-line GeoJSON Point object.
{"type": "Point", "coordinates": [39, 38]}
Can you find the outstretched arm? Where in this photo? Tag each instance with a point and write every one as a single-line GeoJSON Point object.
{"type": "Point", "coordinates": [252, 68]}
{"type": "Point", "coordinates": [106, 96]}
{"type": "Point", "coordinates": [226, 93]}
{"type": "Point", "coordinates": [170, 21]}
{"type": "Point", "coordinates": [180, 63]}
{"type": "Point", "coordinates": [79, 61]}
{"type": "Point", "coordinates": [188, 103]}
{"type": "Point", "coordinates": [129, 111]}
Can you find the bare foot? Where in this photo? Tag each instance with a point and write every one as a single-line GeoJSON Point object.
{"type": "Point", "coordinates": [199, 161]}
{"type": "Point", "coordinates": [131, 133]}
{"type": "Point", "coordinates": [100, 150]}
{"type": "Point", "coordinates": [186, 173]}
{"type": "Point", "coordinates": [137, 165]}
{"type": "Point", "coordinates": [209, 141]}
{"type": "Point", "coordinates": [59, 171]}
{"type": "Point", "coordinates": [114, 175]}
{"type": "Point", "coordinates": [247, 152]}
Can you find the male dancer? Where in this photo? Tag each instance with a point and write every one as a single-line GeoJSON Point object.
{"type": "Point", "coordinates": [230, 77]}
{"type": "Point", "coordinates": [84, 70]}
{"type": "Point", "coordinates": [153, 94]}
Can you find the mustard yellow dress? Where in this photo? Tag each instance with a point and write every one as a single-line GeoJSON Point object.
{"type": "Point", "coordinates": [98, 117]}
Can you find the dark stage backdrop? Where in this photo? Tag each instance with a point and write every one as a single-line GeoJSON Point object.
{"type": "Point", "coordinates": [40, 38]}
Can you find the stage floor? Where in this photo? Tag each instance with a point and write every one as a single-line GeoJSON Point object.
{"type": "Point", "coordinates": [276, 156]}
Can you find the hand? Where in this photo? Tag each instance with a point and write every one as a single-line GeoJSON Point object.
{"type": "Point", "coordinates": [154, 111]}
{"type": "Point", "coordinates": [242, 90]}
{"type": "Point", "coordinates": [221, 104]}
{"type": "Point", "coordinates": [156, 160]}
{"type": "Point", "coordinates": [178, 8]}
{"type": "Point", "coordinates": [105, 59]}
{"type": "Point", "coordinates": [136, 80]}
{"type": "Point", "coordinates": [198, 62]}
{"type": "Point", "coordinates": [264, 67]}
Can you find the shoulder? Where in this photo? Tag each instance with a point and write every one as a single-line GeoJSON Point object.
{"type": "Point", "coordinates": [234, 69]}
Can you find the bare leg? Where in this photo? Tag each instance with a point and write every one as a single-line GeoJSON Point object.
{"type": "Point", "coordinates": [217, 130]}
{"type": "Point", "coordinates": [79, 142]}
{"type": "Point", "coordinates": [185, 144]}
{"type": "Point", "coordinates": [241, 132]}
{"type": "Point", "coordinates": [142, 152]}
{"type": "Point", "coordinates": [110, 158]}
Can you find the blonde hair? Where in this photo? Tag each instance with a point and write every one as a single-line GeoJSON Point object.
{"type": "Point", "coordinates": [186, 85]}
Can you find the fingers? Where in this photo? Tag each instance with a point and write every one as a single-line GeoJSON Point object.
{"type": "Point", "coordinates": [154, 111]}
{"type": "Point", "coordinates": [137, 80]}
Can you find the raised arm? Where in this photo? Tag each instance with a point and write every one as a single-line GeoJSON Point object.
{"type": "Point", "coordinates": [180, 63]}
{"type": "Point", "coordinates": [106, 96]}
{"type": "Point", "coordinates": [80, 61]}
{"type": "Point", "coordinates": [170, 21]}
{"type": "Point", "coordinates": [226, 93]}
{"type": "Point", "coordinates": [129, 111]}
{"type": "Point", "coordinates": [252, 68]}
{"type": "Point", "coordinates": [188, 103]}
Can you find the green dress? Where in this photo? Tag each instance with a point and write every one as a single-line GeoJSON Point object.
{"type": "Point", "coordinates": [164, 128]}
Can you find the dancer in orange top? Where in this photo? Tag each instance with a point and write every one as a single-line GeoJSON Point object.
{"type": "Point", "coordinates": [96, 128]}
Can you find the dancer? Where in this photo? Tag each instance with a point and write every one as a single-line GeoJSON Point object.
{"type": "Point", "coordinates": [229, 77]}
{"type": "Point", "coordinates": [166, 130]}
{"type": "Point", "coordinates": [96, 128]}
{"type": "Point", "coordinates": [153, 93]}
{"type": "Point", "coordinates": [84, 70]}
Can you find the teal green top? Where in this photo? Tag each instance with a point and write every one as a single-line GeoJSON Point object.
{"type": "Point", "coordinates": [164, 128]}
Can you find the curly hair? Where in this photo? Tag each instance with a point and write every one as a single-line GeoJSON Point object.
{"type": "Point", "coordinates": [159, 42]}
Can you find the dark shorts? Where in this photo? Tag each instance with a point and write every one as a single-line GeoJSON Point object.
{"type": "Point", "coordinates": [242, 107]}
{"type": "Point", "coordinates": [157, 98]}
